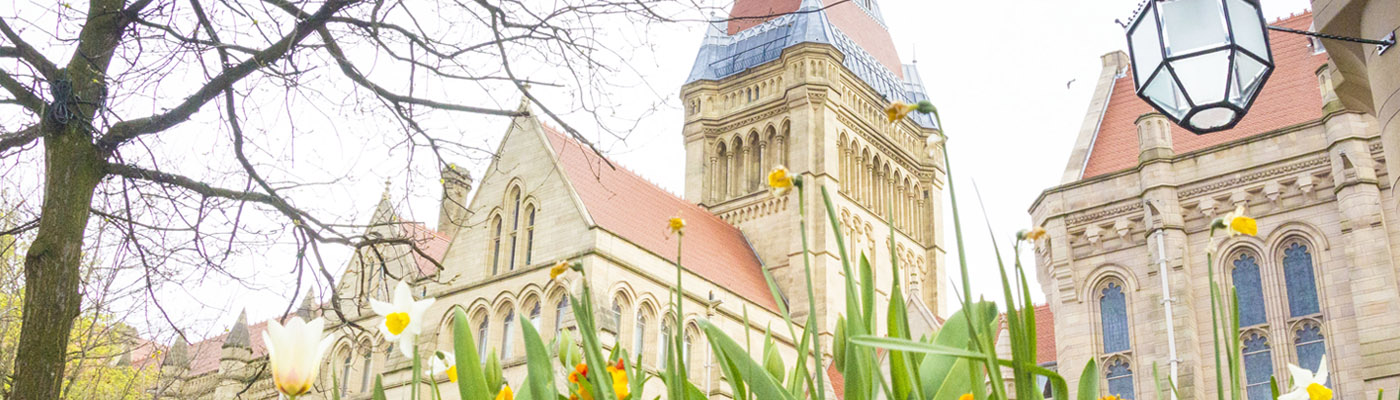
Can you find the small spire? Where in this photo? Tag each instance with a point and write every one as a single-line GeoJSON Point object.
{"type": "Point", "coordinates": [524, 100]}
{"type": "Point", "coordinates": [307, 310]}
{"type": "Point", "coordinates": [388, 184]}
{"type": "Point", "coordinates": [178, 354]}
{"type": "Point", "coordinates": [238, 334]}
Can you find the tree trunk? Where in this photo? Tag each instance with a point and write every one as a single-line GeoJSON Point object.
{"type": "Point", "coordinates": [72, 167]}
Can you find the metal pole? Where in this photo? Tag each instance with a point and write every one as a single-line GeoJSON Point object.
{"type": "Point", "coordinates": [1167, 299]}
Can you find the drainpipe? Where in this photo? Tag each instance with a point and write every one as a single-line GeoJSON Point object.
{"type": "Point", "coordinates": [1167, 299]}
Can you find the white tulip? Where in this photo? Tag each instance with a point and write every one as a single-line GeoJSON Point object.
{"type": "Point", "coordinates": [295, 351]}
{"type": "Point", "coordinates": [402, 318]}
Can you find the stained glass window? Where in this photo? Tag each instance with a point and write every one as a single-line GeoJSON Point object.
{"type": "Point", "coordinates": [1249, 289]}
{"type": "Point", "coordinates": [1113, 313]}
{"type": "Point", "coordinates": [1298, 276]}
{"type": "Point", "coordinates": [1258, 366]}
{"type": "Point", "coordinates": [1308, 340]}
{"type": "Point", "coordinates": [1120, 379]}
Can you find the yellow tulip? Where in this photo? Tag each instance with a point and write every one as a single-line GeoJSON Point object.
{"type": "Point", "coordinates": [505, 393]}
{"type": "Point", "coordinates": [965, 396]}
{"type": "Point", "coordinates": [295, 352]}
{"type": "Point", "coordinates": [619, 379]}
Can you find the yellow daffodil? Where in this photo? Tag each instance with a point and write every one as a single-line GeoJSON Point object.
{"type": "Point", "coordinates": [295, 352]}
{"type": "Point", "coordinates": [676, 224]}
{"type": "Point", "coordinates": [965, 396]}
{"type": "Point", "coordinates": [445, 363]}
{"type": "Point", "coordinates": [1032, 234]}
{"type": "Point", "coordinates": [619, 379]}
{"type": "Point", "coordinates": [1109, 397]}
{"type": "Point", "coordinates": [898, 110]}
{"type": "Point", "coordinates": [1307, 385]}
{"type": "Point", "coordinates": [505, 393]}
{"type": "Point", "coordinates": [558, 269]}
{"type": "Point", "coordinates": [779, 181]}
{"type": "Point", "coordinates": [1236, 223]}
{"type": "Point", "coordinates": [402, 318]}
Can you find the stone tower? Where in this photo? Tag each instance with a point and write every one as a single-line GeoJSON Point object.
{"type": "Point", "coordinates": [456, 183]}
{"type": "Point", "coordinates": [234, 356]}
{"type": "Point", "coordinates": [173, 369]}
{"type": "Point", "coordinates": [807, 91]}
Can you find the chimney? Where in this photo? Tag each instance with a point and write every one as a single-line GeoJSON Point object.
{"type": "Point", "coordinates": [1154, 137]}
{"type": "Point", "coordinates": [456, 183]}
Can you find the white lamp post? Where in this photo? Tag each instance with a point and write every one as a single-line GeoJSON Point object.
{"type": "Point", "coordinates": [1200, 62]}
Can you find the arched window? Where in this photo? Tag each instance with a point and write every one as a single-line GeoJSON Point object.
{"type": "Point", "coordinates": [365, 372]}
{"type": "Point", "coordinates": [616, 316]}
{"type": "Point", "coordinates": [1113, 314]}
{"type": "Point", "coordinates": [1298, 275]}
{"type": "Point", "coordinates": [1258, 366]}
{"type": "Point", "coordinates": [667, 327]}
{"type": "Point", "coordinates": [507, 340]}
{"type": "Point", "coordinates": [561, 313]}
{"type": "Point", "coordinates": [481, 337]}
{"type": "Point", "coordinates": [495, 244]}
{"type": "Point", "coordinates": [1249, 289]}
{"type": "Point", "coordinates": [529, 233]}
{"type": "Point", "coordinates": [345, 370]}
{"type": "Point", "coordinates": [1120, 378]}
{"type": "Point", "coordinates": [514, 223]}
{"type": "Point", "coordinates": [721, 184]}
{"type": "Point", "coordinates": [1309, 342]}
{"type": "Point", "coordinates": [736, 170]}
{"type": "Point", "coordinates": [639, 335]}
{"type": "Point", "coordinates": [535, 315]}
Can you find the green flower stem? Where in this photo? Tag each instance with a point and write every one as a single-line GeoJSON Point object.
{"type": "Point", "coordinates": [820, 389]}
{"type": "Point", "coordinates": [416, 370]}
{"type": "Point", "coordinates": [1214, 319]}
{"type": "Point", "coordinates": [677, 340]}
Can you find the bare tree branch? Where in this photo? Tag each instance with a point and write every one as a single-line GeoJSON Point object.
{"type": "Point", "coordinates": [26, 52]}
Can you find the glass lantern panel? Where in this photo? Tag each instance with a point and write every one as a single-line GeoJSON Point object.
{"type": "Point", "coordinates": [1245, 79]}
{"type": "Point", "coordinates": [1163, 92]}
{"type": "Point", "coordinates": [1204, 76]}
{"type": "Point", "coordinates": [1191, 25]}
{"type": "Point", "coordinates": [1248, 27]}
{"type": "Point", "coordinates": [1147, 46]}
{"type": "Point", "coordinates": [1213, 117]}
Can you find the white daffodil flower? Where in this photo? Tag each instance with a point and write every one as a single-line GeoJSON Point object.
{"type": "Point", "coordinates": [1307, 385]}
{"type": "Point", "coordinates": [446, 364]}
{"type": "Point", "coordinates": [295, 351]}
{"type": "Point", "coordinates": [402, 318]}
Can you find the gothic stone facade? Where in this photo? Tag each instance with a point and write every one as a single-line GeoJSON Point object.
{"type": "Point", "coordinates": [1320, 278]}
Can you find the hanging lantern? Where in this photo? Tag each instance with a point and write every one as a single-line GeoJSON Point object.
{"type": "Point", "coordinates": [1200, 62]}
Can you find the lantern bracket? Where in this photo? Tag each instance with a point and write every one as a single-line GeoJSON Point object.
{"type": "Point", "coordinates": [1381, 45]}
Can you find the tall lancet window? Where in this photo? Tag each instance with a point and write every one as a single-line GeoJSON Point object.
{"type": "Point", "coordinates": [1113, 315]}
{"type": "Point", "coordinates": [1304, 312]}
{"type": "Point", "coordinates": [1120, 378]}
{"type": "Point", "coordinates": [495, 244]}
{"type": "Point", "coordinates": [529, 233]}
{"type": "Point", "coordinates": [507, 339]}
{"type": "Point", "coordinates": [514, 223]}
{"type": "Point", "coordinates": [1258, 366]}
{"type": "Point", "coordinates": [1249, 289]}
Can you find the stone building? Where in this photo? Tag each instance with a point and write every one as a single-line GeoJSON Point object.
{"type": "Point", "coordinates": [1129, 222]}
{"type": "Point", "coordinates": [803, 90]}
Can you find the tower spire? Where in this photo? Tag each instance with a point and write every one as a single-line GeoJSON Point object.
{"type": "Point", "coordinates": [238, 334]}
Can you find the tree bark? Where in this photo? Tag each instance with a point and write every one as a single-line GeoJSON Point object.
{"type": "Point", "coordinates": [73, 168]}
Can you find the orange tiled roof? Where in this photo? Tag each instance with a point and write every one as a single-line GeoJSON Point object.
{"type": "Point", "coordinates": [1290, 97]}
{"type": "Point", "coordinates": [627, 205]}
{"type": "Point", "coordinates": [432, 242]}
{"type": "Point", "coordinates": [849, 17]}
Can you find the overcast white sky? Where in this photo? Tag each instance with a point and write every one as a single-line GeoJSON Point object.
{"type": "Point", "coordinates": [998, 71]}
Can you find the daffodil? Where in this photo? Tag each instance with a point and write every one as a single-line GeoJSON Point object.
{"type": "Point", "coordinates": [779, 181]}
{"type": "Point", "coordinates": [676, 224]}
{"type": "Point", "coordinates": [1307, 385]}
{"type": "Point", "coordinates": [445, 363]}
{"type": "Point", "coordinates": [898, 110]}
{"type": "Point", "coordinates": [402, 318]}
{"type": "Point", "coordinates": [619, 379]}
{"type": "Point", "coordinates": [558, 269]}
{"type": "Point", "coordinates": [965, 396]}
{"type": "Point", "coordinates": [295, 352]}
{"type": "Point", "coordinates": [1236, 223]}
{"type": "Point", "coordinates": [1109, 397]}
{"type": "Point", "coordinates": [505, 393]}
{"type": "Point", "coordinates": [1032, 234]}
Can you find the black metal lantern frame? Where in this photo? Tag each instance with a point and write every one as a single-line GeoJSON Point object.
{"type": "Point", "coordinates": [1238, 93]}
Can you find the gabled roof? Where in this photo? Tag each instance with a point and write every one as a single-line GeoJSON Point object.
{"type": "Point", "coordinates": [1290, 97]}
{"type": "Point", "coordinates": [432, 242]}
{"type": "Point", "coordinates": [634, 209]}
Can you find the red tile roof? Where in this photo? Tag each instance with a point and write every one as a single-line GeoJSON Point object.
{"type": "Point", "coordinates": [432, 242]}
{"type": "Point", "coordinates": [1290, 97]}
{"type": "Point", "coordinates": [1044, 333]}
{"type": "Point", "coordinates": [204, 355]}
{"type": "Point", "coordinates": [627, 205]}
{"type": "Point", "coordinates": [849, 17]}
